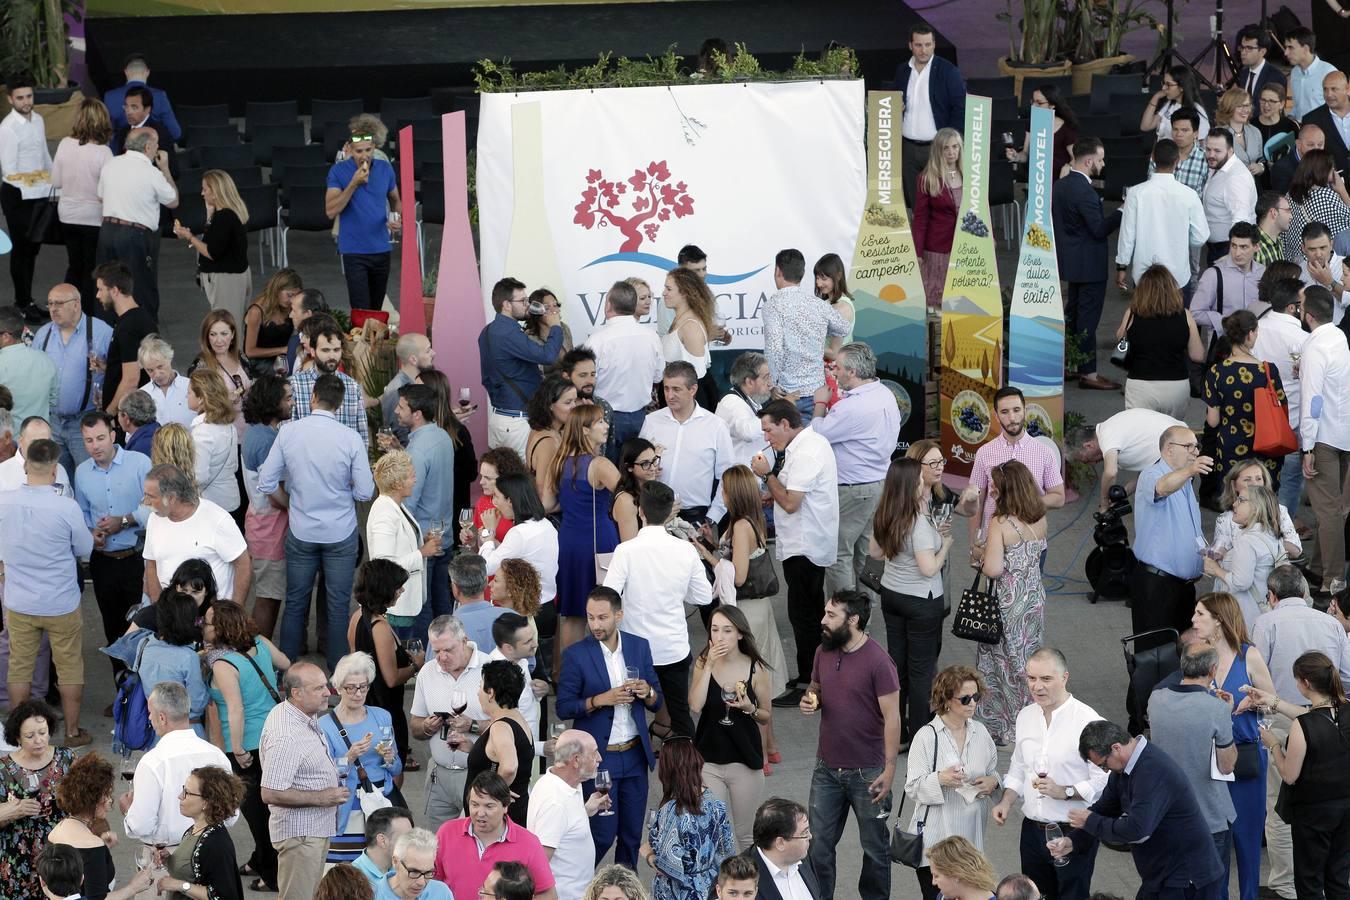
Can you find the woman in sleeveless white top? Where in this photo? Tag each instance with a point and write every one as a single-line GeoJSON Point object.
{"type": "Point", "coordinates": [688, 297]}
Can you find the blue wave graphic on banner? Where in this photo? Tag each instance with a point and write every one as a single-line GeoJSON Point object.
{"type": "Point", "coordinates": [660, 262]}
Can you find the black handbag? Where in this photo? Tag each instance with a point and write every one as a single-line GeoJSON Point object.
{"type": "Point", "coordinates": [977, 615]}
{"type": "Point", "coordinates": [1248, 765]}
{"type": "Point", "coordinates": [907, 847]}
{"type": "Point", "coordinates": [761, 580]}
{"type": "Point", "coordinates": [44, 225]}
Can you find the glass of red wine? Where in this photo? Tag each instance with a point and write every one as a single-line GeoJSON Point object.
{"type": "Point", "coordinates": [602, 786]}
{"type": "Point", "coordinates": [459, 702]}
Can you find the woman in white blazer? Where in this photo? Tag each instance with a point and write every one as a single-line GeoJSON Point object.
{"type": "Point", "coordinates": [392, 533]}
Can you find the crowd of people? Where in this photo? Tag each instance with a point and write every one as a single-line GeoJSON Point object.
{"type": "Point", "coordinates": [542, 623]}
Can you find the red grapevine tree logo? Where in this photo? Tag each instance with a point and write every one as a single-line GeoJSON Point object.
{"type": "Point", "coordinates": [650, 196]}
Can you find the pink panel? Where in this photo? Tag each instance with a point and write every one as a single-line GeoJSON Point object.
{"type": "Point", "coordinates": [411, 317]}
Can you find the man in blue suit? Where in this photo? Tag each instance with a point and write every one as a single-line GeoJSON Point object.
{"type": "Point", "coordinates": [137, 72]}
{"type": "Point", "coordinates": [595, 691]}
{"type": "Point", "coordinates": [1081, 230]}
{"type": "Point", "coordinates": [935, 98]}
{"type": "Point", "coordinates": [1148, 805]}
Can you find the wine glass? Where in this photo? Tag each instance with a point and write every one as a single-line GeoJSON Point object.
{"type": "Point", "coordinates": [465, 517]}
{"type": "Point", "coordinates": [459, 702]}
{"type": "Point", "coordinates": [729, 696]}
{"type": "Point", "coordinates": [556, 730]}
{"type": "Point", "coordinates": [1052, 834]}
{"type": "Point", "coordinates": [126, 767]}
{"type": "Point", "coordinates": [414, 647]}
{"type": "Point", "coordinates": [723, 338]}
{"type": "Point", "coordinates": [145, 857]}
{"type": "Point", "coordinates": [465, 396]}
{"type": "Point", "coordinates": [1042, 765]}
{"type": "Point", "coordinates": [1267, 716]}
{"type": "Point", "coordinates": [386, 741]}
{"type": "Point", "coordinates": [602, 786]}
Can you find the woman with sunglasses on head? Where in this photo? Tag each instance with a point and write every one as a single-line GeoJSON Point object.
{"type": "Point", "coordinates": [639, 463]}
{"type": "Point", "coordinates": [953, 750]}
{"type": "Point", "coordinates": [1179, 88]}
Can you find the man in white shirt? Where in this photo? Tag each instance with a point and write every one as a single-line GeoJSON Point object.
{"type": "Point", "coordinates": [560, 818]}
{"type": "Point", "coordinates": [453, 671]}
{"type": "Point", "coordinates": [1324, 429]}
{"type": "Point", "coordinates": [657, 574]}
{"type": "Point", "coordinates": [1163, 222]}
{"type": "Point", "coordinates": [1279, 341]}
{"type": "Point", "coordinates": [12, 475]}
{"type": "Point", "coordinates": [782, 839]}
{"type": "Point", "coordinates": [1324, 267]}
{"type": "Point", "coordinates": [516, 642]}
{"type": "Point", "coordinates": [132, 187]}
{"type": "Point", "coordinates": [187, 526]}
{"type": "Point", "coordinates": [1230, 193]}
{"type": "Point", "coordinates": [150, 811]}
{"type": "Point", "coordinates": [166, 386]}
{"type": "Point", "coordinates": [628, 362]}
{"type": "Point", "coordinates": [694, 445]}
{"type": "Point", "coordinates": [739, 408]}
{"type": "Point", "coordinates": [1047, 772]}
{"type": "Point", "coordinates": [23, 152]}
{"type": "Point", "coordinates": [805, 489]}
{"type": "Point", "coordinates": [1128, 440]}
{"type": "Point", "coordinates": [935, 97]}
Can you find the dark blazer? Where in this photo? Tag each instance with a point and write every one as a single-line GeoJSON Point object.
{"type": "Point", "coordinates": [768, 890]}
{"type": "Point", "coordinates": [1269, 75]}
{"type": "Point", "coordinates": [1282, 172]}
{"type": "Point", "coordinates": [584, 675]}
{"type": "Point", "coordinates": [1081, 229]}
{"type": "Point", "coordinates": [1321, 117]}
{"type": "Point", "coordinates": [946, 92]}
{"type": "Point", "coordinates": [1153, 810]}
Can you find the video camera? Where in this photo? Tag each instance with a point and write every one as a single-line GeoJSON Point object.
{"type": "Point", "coordinates": [1109, 565]}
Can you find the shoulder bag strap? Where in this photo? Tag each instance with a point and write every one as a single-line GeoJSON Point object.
{"type": "Point", "coordinates": [342, 730]}
{"type": "Point", "coordinates": [487, 342]}
{"type": "Point", "coordinates": [935, 743]}
{"type": "Point", "coordinates": [263, 678]}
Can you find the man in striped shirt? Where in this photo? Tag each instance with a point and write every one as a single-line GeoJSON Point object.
{"type": "Point", "coordinates": [326, 343]}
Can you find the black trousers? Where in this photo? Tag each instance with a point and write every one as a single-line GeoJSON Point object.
{"type": "Point", "coordinates": [674, 678]}
{"type": "Point", "coordinates": [23, 258]}
{"type": "Point", "coordinates": [81, 257]}
{"type": "Point", "coordinates": [1156, 601]}
{"type": "Point", "coordinates": [367, 277]}
{"type": "Point", "coordinates": [1321, 833]}
{"type": "Point", "coordinates": [255, 813]}
{"type": "Point", "coordinates": [1082, 313]}
{"type": "Point", "coordinates": [1071, 882]}
{"type": "Point", "coordinates": [806, 607]}
{"type": "Point", "coordinates": [914, 640]}
{"type": "Point", "coordinates": [117, 590]}
{"type": "Point", "coordinates": [138, 250]}
{"type": "Point", "coordinates": [913, 161]}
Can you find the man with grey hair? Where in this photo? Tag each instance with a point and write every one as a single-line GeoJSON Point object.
{"type": "Point", "coordinates": [751, 386]}
{"type": "Point", "coordinates": [414, 864]}
{"type": "Point", "coordinates": [1148, 804]}
{"type": "Point", "coordinates": [30, 376]}
{"type": "Point", "coordinates": [12, 475]}
{"type": "Point", "coordinates": [184, 526]}
{"type": "Point", "coordinates": [468, 582]}
{"type": "Point", "coordinates": [77, 345]}
{"type": "Point", "coordinates": [1017, 887]}
{"type": "Point", "coordinates": [166, 386]}
{"type": "Point", "coordinates": [697, 445]}
{"type": "Point", "coordinates": [132, 188]}
{"type": "Point", "coordinates": [1291, 628]}
{"type": "Point", "coordinates": [453, 671]}
{"type": "Point", "coordinates": [560, 817]}
{"type": "Point", "coordinates": [8, 444]}
{"type": "Point", "coordinates": [299, 782]}
{"type": "Point", "coordinates": [862, 428]}
{"type": "Point", "coordinates": [150, 811]}
{"type": "Point", "coordinates": [136, 417]}
{"type": "Point", "coordinates": [1194, 726]}
{"type": "Point", "coordinates": [628, 362]}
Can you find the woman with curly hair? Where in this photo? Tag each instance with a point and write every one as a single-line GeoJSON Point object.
{"type": "Point", "coordinates": [344, 882]}
{"type": "Point", "coordinates": [85, 795]}
{"type": "Point", "coordinates": [173, 445]}
{"type": "Point", "coordinates": [690, 833]}
{"type": "Point", "coordinates": [204, 860]}
{"type": "Point", "coordinates": [29, 778]}
{"type": "Point", "coordinates": [616, 879]}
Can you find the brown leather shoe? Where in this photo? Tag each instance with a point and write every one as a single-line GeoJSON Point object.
{"type": "Point", "coordinates": [81, 738]}
{"type": "Point", "coordinates": [1097, 383]}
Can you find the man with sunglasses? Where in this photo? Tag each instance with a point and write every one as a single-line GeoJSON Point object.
{"type": "Point", "coordinates": [413, 876]}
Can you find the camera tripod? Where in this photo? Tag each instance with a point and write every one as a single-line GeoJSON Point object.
{"type": "Point", "coordinates": [1224, 67]}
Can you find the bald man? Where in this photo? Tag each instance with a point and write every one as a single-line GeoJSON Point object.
{"type": "Point", "coordinates": [135, 188]}
{"type": "Point", "coordinates": [77, 344]}
{"type": "Point", "coordinates": [1333, 117]}
{"type": "Point", "coordinates": [561, 819]}
{"type": "Point", "coordinates": [1310, 137]}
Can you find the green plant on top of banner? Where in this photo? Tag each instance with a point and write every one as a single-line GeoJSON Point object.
{"type": "Point", "coordinates": [667, 69]}
{"type": "Point", "coordinates": [33, 39]}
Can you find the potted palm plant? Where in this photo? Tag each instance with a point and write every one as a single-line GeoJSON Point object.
{"type": "Point", "coordinates": [1111, 21]}
{"type": "Point", "coordinates": [35, 40]}
{"type": "Point", "coordinates": [1039, 46]}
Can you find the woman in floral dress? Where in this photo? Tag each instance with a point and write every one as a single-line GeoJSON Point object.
{"type": "Point", "coordinates": [1013, 557]}
{"type": "Point", "coordinates": [690, 833]}
{"type": "Point", "coordinates": [28, 780]}
{"type": "Point", "coordinates": [1230, 389]}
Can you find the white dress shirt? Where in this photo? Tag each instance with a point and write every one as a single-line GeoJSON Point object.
{"type": "Point", "coordinates": [1060, 741]}
{"type": "Point", "coordinates": [433, 694]}
{"type": "Point", "coordinates": [741, 416]}
{"type": "Point", "coordinates": [1338, 274]}
{"type": "Point", "coordinates": [657, 573]}
{"type": "Point", "coordinates": [536, 542]}
{"type": "Point", "coordinates": [1230, 197]}
{"type": "Point", "coordinates": [788, 881]}
{"type": "Point", "coordinates": [171, 407]}
{"type": "Point", "coordinates": [628, 361]}
{"type": "Point", "coordinates": [160, 775]}
{"type": "Point", "coordinates": [528, 703]}
{"type": "Point", "coordinates": [1324, 404]}
{"type": "Point", "coordinates": [697, 452]}
{"type": "Point", "coordinates": [812, 531]}
{"type": "Point", "coordinates": [13, 477]}
{"type": "Point", "coordinates": [1162, 220]}
{"type": "Point", "coordinates": [622, 729]}
{"type": "Point", "coordinates": [918, 123]}
{"type": "Point", "coordinates": [1279, 336]}
{"type": "Point", "coordinates": [133, 188]}
{"type": "Point", "coordinates": [23, 148]}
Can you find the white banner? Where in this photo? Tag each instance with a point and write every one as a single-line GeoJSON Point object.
{"type": "Point", "coordinates": [613, 182]}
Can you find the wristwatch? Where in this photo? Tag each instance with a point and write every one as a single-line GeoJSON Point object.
{"type": "Point", "coordinates": [187, 886]}
{"type": "Point", "coordinates": [129, 521]}
{"type": "Point", "coordinates": [1070, 793]}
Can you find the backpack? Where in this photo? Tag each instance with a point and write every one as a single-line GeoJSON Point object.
{"type": "Point", "coordinates": [131, 715]}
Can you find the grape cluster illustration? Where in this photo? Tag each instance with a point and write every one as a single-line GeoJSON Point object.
{"type": "Point", "coordinates": [1037, 237]}
{"type": "Point", "coordinates": [973, 224]}
{"type": "Point", "coordinates": [970, 419]}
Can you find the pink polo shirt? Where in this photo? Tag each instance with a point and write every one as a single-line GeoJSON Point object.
{"type": "Point", "coordinates": [1028, 451]}
{"type": "Point", "coordinates": [463, 863]}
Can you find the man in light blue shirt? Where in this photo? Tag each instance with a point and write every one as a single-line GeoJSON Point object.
{"type": "Point", "coordinates": [109, 485]}
{"type": "Point", "coordinates": [73, 341]}
{"type": "Point", "coordinates": [326, 470]}
{"type": "Point", "coordinates": [1305, 78]}
{"type": "Point", "coordinates": [28, 373]}
{"type": "Point", "coordinates": [41, 536]}
{"type": "Point", "coordinates": [414, 872]}
{"type": "Point", "coordinates": [432, 501]}
{"type": "Point", "coordinates": [468, 577]}
{"type": "Point", "coordinates": [383, 828]}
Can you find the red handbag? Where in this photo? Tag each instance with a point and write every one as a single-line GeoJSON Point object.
{"type": "Point", "coordinates": [1273, 437]}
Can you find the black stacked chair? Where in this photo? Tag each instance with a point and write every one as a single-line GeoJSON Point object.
{"type": "Point", "coordinates": [1107, 89]}
{"type": "Point", "coordinates": [210, 135]}
{"type": "Point", "coordinates": [1123, 173]}
{"type": "Point", "coordinates": [246, 178]}
{"type": "Point", "coordinates": [304, 211]}
{"type": "Point", "coordinates": [213, 116]}
{"type": "Point", "coordinates": [1003, 86]}
{"type": "Point", "coordinates": [334, 139]}
{"type": "Point", "coordinates": [1005, 108]}
{"type": "Point", "coordinates": [235, 156]}
{"type": "Point", "coordinates": [1081, 104]}
{"type": "Point", "coordinates": [1099, 126]}
{"type": "Point", "coordinates": [1030, 82]}
{"type": "Point", "coordinates": [1121, 148]}
{"type": "Point", "coordinates": [1129, 109]}
{"type": "Point", "coordinates": [188, 181]}
{"type": "Point", "coordinates": [257, 113]}
{"type": "Point", "coordinates": [303, 176]}
{"type": "Point", "coordinates": [322, 112]}
{"type": "Point", "coordinates": [265, 137]}
{"type": "Point", "coordinates": [398, 109]}
{"type": "Point", "coordinates": [262, 206]}
{"type": "Point", "coordinates": [431, 151]}
{"type": "Point", "coordinates": [285, 157]}
{"type": "Point", "coordinates": [1003, 197]}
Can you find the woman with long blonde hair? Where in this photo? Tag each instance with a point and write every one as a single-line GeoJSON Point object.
{"type": "Point", "coordinates": [937, 198]}
{"type": "Point", "coordinates": [173, 445]}
{"type": "Point", "coordinates": [1162, 336]}
{"type": "Point", "coordinates": [688, 297]}
{"type": "Point", "coordinates": [215, 438]}
{"type": "Point", "coordinates": [78, 162]}
{"type": "Point", "coordinates": [1257, 549]}
{"type": "Point", "coordinates": [267, 322]}
{"type": "Point", "coordinates": [222, 250]}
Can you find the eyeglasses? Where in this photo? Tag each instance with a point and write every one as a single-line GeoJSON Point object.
{"type": "Point", "coordinates": [354, 688]}
{"type": "Point", "coordinates": [417, 874]}
{"type": "Point", "coordinates": [1192, 447]}
{"type": "Point", "coordinates": [185, 793]}
{"type": "Point", "coordinates": [935, 464]}
{"type": "Point", "coordinates": [650, 463]}
{"type": "Point", "coordinates": [967, 699]}
{"type": "Point", "coordinates": [1237, 500]}
{"type": "Point", "coordinates": [51, 303]}
{"type": "Point", "coordinates": [1169, 84]}
{"type": "Point", "coordinates": [800, 837]}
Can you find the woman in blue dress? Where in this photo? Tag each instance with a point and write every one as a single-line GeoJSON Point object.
{"type": "Point", "coordinates": [1218, 619]}
{"type": "Point", "coordinates": [690, 833]}
{"type": "Point", "coordinates": [583, 481]}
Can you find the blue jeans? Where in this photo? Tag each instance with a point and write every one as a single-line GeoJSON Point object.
{"type": "Point", "coordinates": [1291, 483]}
{"type": "Point", "coordinates": [1223, 845]}
{"type": "Point", "coordinates": [833, 793]}
{"type": "Point", "coordinates": [66, 433]}
{"type": "Point", "coordinates": [304, 559]}
{"type": "Point", "coordinates": [367, 277]}
{"type": "Point", "coordinates": [807, 407]}
{"type": "Point", "coordinates": [439, 600]}
{"type": "Point", "coordinates": [626, 425]}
